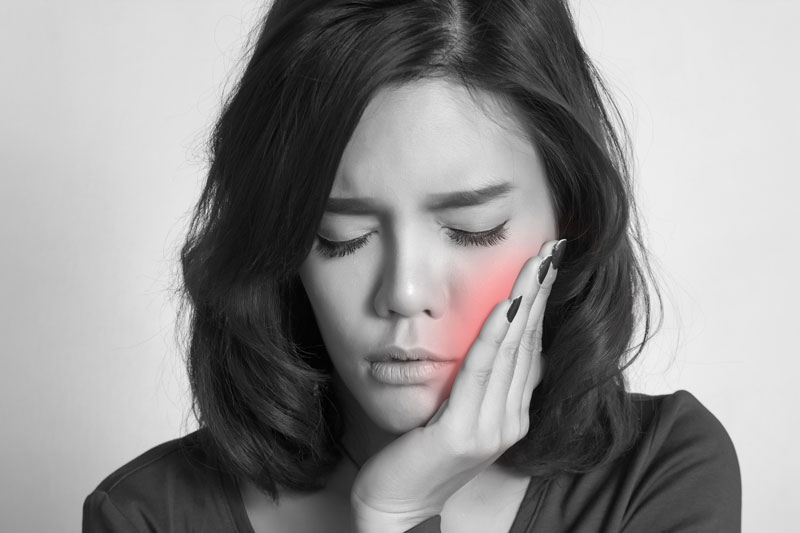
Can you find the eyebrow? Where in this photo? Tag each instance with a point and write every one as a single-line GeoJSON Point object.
{"type": "Point", "coordinates": [437, 202]}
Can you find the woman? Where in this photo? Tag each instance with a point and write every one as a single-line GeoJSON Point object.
{"type": "Point", "coordinates": [437, 180]}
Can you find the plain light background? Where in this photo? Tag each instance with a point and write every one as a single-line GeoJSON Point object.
{"type": "Point", "coordinates": [104, 109]}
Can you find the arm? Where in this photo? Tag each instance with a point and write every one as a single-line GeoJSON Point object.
{"type": "Point", "coordinates": [367, 520]}
{"type": "Point", "coordinates": [429, 525]}
{"type": "Point", "coordinates": [432, 524]}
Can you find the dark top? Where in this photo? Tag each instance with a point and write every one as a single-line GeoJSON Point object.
{"type": "Point", "coordinates": [682, 475]}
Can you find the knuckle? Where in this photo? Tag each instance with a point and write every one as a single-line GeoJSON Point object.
{"type": "Point", "coordinates": [475, 450]}
{"type": "Point", "coordinates": [545, 290]}
{"type": "Point", "coordinates": [510, 437]}
{"type": "Point", "coordinates": [491, 447]}
{"type": "Point", "coordinates": [481, 376]}
{"type": "Point", "coordinates": [528, 343]}
{"type": "Point", "coordinates": [489, 340]}
{"type": "Point", "coordinates": [508, 352]}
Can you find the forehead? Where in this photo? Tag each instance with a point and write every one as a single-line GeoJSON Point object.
{"type": "Point", "coordinates": [431, 136]}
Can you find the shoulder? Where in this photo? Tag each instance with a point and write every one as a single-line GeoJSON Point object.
{"type": "Point", "coordinates": [679, 474]}
{"type": "Point", "coordinates": [166, 485]}
{"type": "Point", "coordinates": [684, 459]}
{"type": "Point", "coordinates": [678, 422]}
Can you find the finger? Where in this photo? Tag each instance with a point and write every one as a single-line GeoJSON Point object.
{"type": "Point", "coordinates": [537, 368]}
{"type": "Point", "coordinates": [470, 384]}
{"type": "Point", "coordinates": [532, 340]}
{"type": "Point", "coordinates": [533, 378]}
{"type": "Point", "coordinates": [527, 357]}
{"type": "Point", "coordinates": [495, 416]}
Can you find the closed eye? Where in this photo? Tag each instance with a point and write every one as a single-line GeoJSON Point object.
{"type": "Point", "coordinates": [490, 237]}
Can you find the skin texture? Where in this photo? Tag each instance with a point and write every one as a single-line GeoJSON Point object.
{"type": "Point", "coordinates": [411, 284]}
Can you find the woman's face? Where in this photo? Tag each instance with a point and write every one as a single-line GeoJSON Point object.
{"type": "Point", "coordinates": [418, 281]}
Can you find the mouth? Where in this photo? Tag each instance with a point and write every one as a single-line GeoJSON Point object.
{"type": "Point", "coordinates": [396, 353]}
{"type": "Point", "coordinates": [409, 372]}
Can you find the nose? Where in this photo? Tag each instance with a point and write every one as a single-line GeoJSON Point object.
{"type": "Point", "coordinates": [411, 281]}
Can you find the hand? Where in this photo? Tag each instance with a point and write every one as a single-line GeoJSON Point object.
{"type": "Point", "coordinates": [487, 412]}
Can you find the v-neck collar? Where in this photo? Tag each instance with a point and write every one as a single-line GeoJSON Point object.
{"type": "Point", "coordinates": [523, 520]}
{"type": "Point", "coordinates": [530, 505]}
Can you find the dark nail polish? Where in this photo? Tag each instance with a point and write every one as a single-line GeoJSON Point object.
{"type": "Point", "coordinates": [512, 311]}
{"type": "Point", "coordinates": [558, 252]}
{"type": "Point", "coordinates": [544, 267]}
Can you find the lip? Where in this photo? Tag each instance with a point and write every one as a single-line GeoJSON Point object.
{"type": "Point", "coordinates": [407, 372]}
{"type": "Point", "coordinates": [396, 353]}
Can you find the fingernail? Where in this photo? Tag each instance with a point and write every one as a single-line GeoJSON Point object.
{"type": "Point", "coordinates": [512, 311]}
{"type": "Point", "coordinates": [544, 267]}
{"type": "Point", "coordinates": [558, 252]}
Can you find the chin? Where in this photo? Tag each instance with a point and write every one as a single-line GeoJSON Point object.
{"type": "Point", "coordinates": [401, 416]}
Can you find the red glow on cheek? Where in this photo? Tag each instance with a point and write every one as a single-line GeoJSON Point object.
{"type": "Point", "coordinates": [481, 289]}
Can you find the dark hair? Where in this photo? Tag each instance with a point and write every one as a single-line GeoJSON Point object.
{"type": "Point", "coordinates": [256, 356]}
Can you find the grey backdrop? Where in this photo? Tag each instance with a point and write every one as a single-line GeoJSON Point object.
{"type": "Point", "coordinates": [105, 106]}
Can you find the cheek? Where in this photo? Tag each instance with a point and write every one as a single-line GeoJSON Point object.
{"type": "Point", "coordinates": [482, 288]}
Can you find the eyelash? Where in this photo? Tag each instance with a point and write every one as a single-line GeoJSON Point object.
{"type": "Point", "coordinates": [489, 237]}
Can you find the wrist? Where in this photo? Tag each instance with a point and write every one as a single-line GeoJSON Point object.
{"type": "Point", "coordinates": [366, 519]}
{"type": "Point", "coordinates": [374, 524]}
